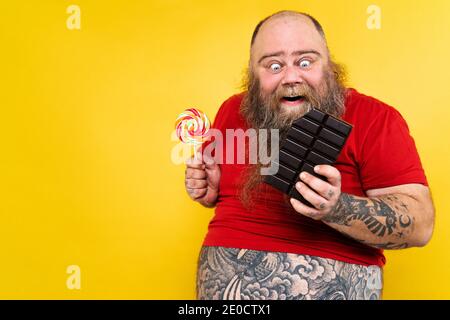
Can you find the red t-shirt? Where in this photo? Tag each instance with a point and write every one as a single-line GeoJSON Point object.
{"type": "Point", "coordinates": [378, 153]}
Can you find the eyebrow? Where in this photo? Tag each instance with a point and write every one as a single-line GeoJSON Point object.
{"type": "Point", "coordinates": [295, 53]}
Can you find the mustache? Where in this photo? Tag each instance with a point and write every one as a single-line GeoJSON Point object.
{"type": "Point", "coordinates": [297, 90]}
{"type": "Point", "coordinates": [294, 90]}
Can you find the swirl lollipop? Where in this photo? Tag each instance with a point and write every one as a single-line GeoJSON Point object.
{"type": "Point", "coordinates": [192, 127]}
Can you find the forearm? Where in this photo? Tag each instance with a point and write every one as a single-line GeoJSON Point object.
{"type": "Point", "coordinates": [386, 222]}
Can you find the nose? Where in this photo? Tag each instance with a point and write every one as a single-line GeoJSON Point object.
{"type": "Point", "coordinates": [292, 76]}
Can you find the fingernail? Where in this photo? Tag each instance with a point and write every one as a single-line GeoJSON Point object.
{"type": "Point", "coordinates": [298, 185]}
{"type": "Point", "coordinates": [302, 175]}
{"type": "Point", "coordinates": [316, 169]}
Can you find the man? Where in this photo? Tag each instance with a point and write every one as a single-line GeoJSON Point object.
{"type": "Point", "coordinates": [261, 245]}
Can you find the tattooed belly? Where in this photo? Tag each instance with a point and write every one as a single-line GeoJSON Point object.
{"type": "Point", "coordinates": [235, 274]}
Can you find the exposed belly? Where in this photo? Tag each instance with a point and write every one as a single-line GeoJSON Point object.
{"type": "Point", "coordinates": [235, 274]}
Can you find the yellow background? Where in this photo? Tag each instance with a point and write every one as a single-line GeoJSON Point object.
{"type": "Point", "coordinates": [86, 122]}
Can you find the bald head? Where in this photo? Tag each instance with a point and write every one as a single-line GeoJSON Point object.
{"type": "Point", "coordinates": [299, 29]}
{"type": "Point", "coordinates": [289, 13]}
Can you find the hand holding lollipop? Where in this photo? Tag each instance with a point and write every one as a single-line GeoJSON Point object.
{"type": "Point", "coordinates": [202, 176]}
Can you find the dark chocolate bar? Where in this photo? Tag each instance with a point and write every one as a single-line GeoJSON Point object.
{"type": "Point", "coordinates": [316, 138]}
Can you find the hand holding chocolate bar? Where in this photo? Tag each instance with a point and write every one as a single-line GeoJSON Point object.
{"type": "Point", "coordinates": [314, 139]}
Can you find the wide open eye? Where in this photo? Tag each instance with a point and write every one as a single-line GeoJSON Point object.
{"type": "Point", "coordinates": [275, 67]}
{"type": "Point", "coordinates": [305, 64]}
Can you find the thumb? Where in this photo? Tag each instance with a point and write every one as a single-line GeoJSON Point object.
{"type": "Point", "coordinates": [210, 163]}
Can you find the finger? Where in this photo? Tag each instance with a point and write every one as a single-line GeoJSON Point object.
{"type": "Point", "coordinates": [331, 173]}
{"type": "Point", "coordinates": [196, 193]}
{"type": "Point", "coordinates": [210, 163]}
{"type": "Point", "coordinates": [323, 188]}
{"type": "Point", "coordinates": [195, 160]}
{"type": "Point", "coordinates": [304, 209]}
{"type": "Point", "coordinates": [195, 174]}
{"type": "Point", "coordinates": [311, 196]}
{"type": "Point", "coordinates": [193, 165]}
{"type": "Point", "coordinates": [196, 184]}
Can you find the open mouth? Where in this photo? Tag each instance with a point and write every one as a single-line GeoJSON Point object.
{"type": "Point", "coordinates": [293, 100]}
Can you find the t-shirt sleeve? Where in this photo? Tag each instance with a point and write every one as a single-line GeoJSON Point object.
{"type": "Point", "coordinates": [389, 154]}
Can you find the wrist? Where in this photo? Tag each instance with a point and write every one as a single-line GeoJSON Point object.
{"type": "Point", "coordinates": [338, 213]}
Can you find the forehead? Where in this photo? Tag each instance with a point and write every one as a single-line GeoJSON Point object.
{"type": "Point", "coordinates": [288, 34]}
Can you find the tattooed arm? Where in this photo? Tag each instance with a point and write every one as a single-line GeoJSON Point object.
{"type": "Point", "coordinates": [390, 218]}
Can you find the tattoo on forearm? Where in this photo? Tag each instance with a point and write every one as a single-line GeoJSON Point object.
{"type": "Point", "coordinates": [383, 216]}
